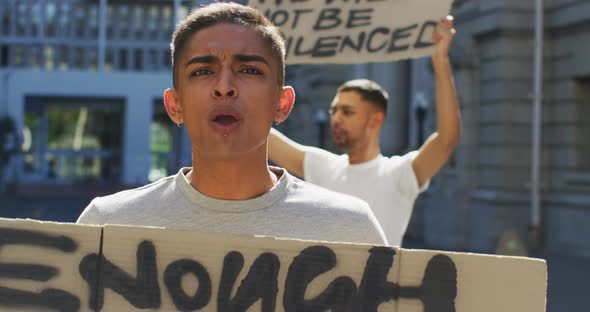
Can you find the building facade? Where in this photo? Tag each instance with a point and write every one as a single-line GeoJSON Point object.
{"type": "Point", "coordinates": [486, 192]}
{"type": "Point", "coordinates": [83, 81]}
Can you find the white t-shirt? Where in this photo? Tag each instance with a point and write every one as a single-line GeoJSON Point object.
{"type": "Point", "coordinates": [389, 185]}
{"type": "Point", "coordinates": [291, 209]}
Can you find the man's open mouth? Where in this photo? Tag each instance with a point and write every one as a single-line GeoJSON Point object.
{"type": "Point", "coordinates": [225, 120]}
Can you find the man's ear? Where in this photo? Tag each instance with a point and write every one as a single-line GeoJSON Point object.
{"type": "Point", "coordinates": [173, 106]}
{"type": "Point", "coordinates": [376, 120]}
{"type": "Point", "coordinates": [286, 103]}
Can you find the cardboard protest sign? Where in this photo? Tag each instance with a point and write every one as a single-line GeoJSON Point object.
{"type": "Point", "coordinates": [342, 31]}
{"type": "Point", "coordinates": [39, 265]}
{"type": "Point", "coordinates": [171, 270]}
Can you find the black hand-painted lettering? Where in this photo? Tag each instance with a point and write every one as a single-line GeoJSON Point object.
{"type": "Point", "coordinates": [279, 2]}
{"type": "Point", "coordinates": [355, 1]}
{"type": "Point", "coordinates": [260, 283]}
{"type": "Point", "coordinates": [35, 238]}
{"type": "Point", "coordinates": [311, 262]}
{"type": "Point", "coordinates": [378, 30]}
{"type": "Point", "coordinates": [326, 46]}
{"type": "Point", "coordinates": [55, 299]}
{"type": "Point", "coordinates": [142, 291]}
{"type": "Point", "coordinates": [328, 19]}
{"type": "Point", "coordinates": [298, 13]}
{"type": "Point", "coordinates": [399, 34]}
{"type": "Point", "coordinates": [298, 51]}
{"type": "Point", "coordinates": [359, 18]}
{"type": "Point", "coordinates": [279, 17]}
{"type": "Point", "coordinates": [173, 281]}
{"type": "Point", "coordinates": [439, 285]}
{"type": "Point", "coordinates": [34, 272]}
{"type": "Point", "coordinates": [437, 292]}
{"type": "Point", "coordinates": [420, 42]}
{"type": "Point", "coordinates": [52, 298]}
{"type": "Point", "coordinates": [374, 288]}
{"type": "Point", "coordinates": [348, 43]}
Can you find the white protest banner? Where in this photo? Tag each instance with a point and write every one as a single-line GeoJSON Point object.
{"type": "Point", "coordinates": [355, 31]}
{"type": "Point", "coordinates": [159, 269]}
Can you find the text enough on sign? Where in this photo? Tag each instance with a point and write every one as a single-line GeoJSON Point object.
{"type": "Point", "coordinates": [353, 31]}
{"type": "Point", "coordinates": [60, 267]}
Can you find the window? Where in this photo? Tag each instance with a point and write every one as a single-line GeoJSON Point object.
{"type": "Point", "coordinates": [167, 21]}
{"type": "Point", "coordinates": [18, 56]}
{"type": "Point", "coordinates": [80, 21]}
{"type": "Point", "coordinates": [5, 16]}
{"type": "Point", "coordinates": [164, 143]}
{"type": "Point", "coordinates": [152, 22]}
{"type": "Point", "coordinates": [64, 17]}
{"type": "Point", "coordinates": [123, 59]}
{"type": "Point", "coordinates": [92, 59]}
{"type": "Point", "coordinates": [123, 20]}
{"type": "Point", "coordinates": [73, 140]}
{"type": "Point", "coordinates": [4, 51]}
{"type": "Point", "coordinates": [137, 22]}
{"type": "Point", "coordinates": [35, 19]}
{"type": "Point", "coordinates": [78, 58]}
{"type": "Point", "coordinates": [64, 54]}
{"type": "Point", "coordinates": [110, 21]}
{"type": "Point", "coordinates": [167, 61]}
{"type": "Point", "coordinates": [108, 62]}
{"type": "Point", "coordinates": [21, 19]}
{"type": "Point", "coordinates": [50, 19]}
{"type": "Point", "coordinates": [49, 54]}
{"type": "Point", "coordinates": [153, 61]}
{"type": "Point", "coordinates": [138, 59]}
{"type": "Point", "coordinates": [35, 56]}
{"type": "Point", "coordinates": [92, 20]}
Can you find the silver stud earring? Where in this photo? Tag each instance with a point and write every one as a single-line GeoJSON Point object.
{"type": "Point", "coordinates": [179, 125]}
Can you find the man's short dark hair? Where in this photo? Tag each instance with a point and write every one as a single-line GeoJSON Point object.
{"type": "Point", "coordinates": [369, 91]}
{"type": "Point", "coordinates": [228, 13]}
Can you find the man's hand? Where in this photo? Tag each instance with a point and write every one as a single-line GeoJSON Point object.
{"type": "Point", "coordinates": [443, 36]}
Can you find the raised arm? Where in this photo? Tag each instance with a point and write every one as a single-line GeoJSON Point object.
{"type": "Point", "coordinates": [285, 152]}
{"type": "Point", "coordinates": [440, 145]}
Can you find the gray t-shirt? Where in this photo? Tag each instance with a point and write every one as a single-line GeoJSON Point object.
{"type": "Point", "coordinates": [292, 209]}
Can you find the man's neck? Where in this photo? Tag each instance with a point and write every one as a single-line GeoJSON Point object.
{"type": "Point", "coordinates": [239, 179]}
{"type": "Point", "coordinates": [363, 152]}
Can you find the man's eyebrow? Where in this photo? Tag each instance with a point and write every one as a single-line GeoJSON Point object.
{"type": "Point", "coordinates": [201, 59]}
{"type": "Point", "coordinates": [251, 58]}
{"type": "Point", "coordinates": [342, 106]}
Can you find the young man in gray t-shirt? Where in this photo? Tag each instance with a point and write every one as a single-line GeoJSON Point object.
{"type": "Point", "coordinates": [228, 73]}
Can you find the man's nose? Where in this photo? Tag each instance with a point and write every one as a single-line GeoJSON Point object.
{"type": "Point", "coordinates": [225, 86]}
{"type": "Point", "coordinates": [335, 118]}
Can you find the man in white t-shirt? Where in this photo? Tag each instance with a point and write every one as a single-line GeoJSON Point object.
{"type": "Point", "coordinates": [228, 75]}
{"type": "Point", "coordinates": [389, 185]}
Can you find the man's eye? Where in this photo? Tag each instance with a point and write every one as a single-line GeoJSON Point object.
{"type": "Point", "coordinates": [251, 71]}
{"type": "Point", "coordinates": [348, 113]}
{"type": "Point", "coordinates": [200, 72]}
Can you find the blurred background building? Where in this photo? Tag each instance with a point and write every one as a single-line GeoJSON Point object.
{"type": "Point", "coordinates": [81, 82]}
